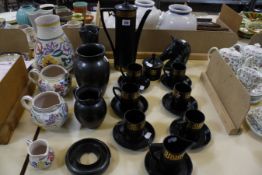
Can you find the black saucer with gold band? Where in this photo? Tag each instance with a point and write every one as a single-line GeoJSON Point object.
{"type": "Point", "coordinates": [179, 110]}
{"type": "Point", "coordinates": [169, 82]}
{"type": "Point", "coordinates": [169, 157]}
{"type": "Point", "coordinates": [120, 109]}
{"type": "Point", "coordinates": [134, 75]}
{"type": "Point", "coordinates": [143, 82]}
{"type": "Point", "coordinates": [176, 74]}
{"type": "Point", "coordinates": [134, 132]}
{"type": "Point", "coordinates": [193, 128]}
{"type": "Point", "coordinates": [179, 101]}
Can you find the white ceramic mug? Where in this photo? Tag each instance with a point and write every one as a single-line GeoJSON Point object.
{"type": "Point", "coordinates": [52, 78]}
{"type": "Point", "coordinates": [40, 153]}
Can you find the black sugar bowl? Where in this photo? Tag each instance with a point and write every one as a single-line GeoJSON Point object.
{"type": "Point", "coordinates": [152, 67]}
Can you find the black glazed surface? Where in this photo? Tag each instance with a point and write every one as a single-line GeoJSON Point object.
{"type": "Point", "coordinates": [120, 110]}
{"type": "Point", "coordinates": [88, 145]}
{"type": "Point", "coordinates": [170, 82]}
{"type": "Point", "coordinates": [143, 82]}
{"type": "Point", "coordinates": [154, 167]}
{"type": "Point", "coordinates": [126, 141]}
{"type": "Point", "coordinates": [91, 67]}
{"type": "Point", "coordinates": [177, 127]}
{"type": "Point", "coordinates": [168, 101]}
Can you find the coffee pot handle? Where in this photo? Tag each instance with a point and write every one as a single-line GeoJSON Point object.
{"type": "Point", "coordinates": [114, 91]}
{"type": "Point", "coordinates": [25, 100]}
{"type": "Point", "coordinates": [33, 75]}
{"type": "Point", "coordinates": [102, 10]}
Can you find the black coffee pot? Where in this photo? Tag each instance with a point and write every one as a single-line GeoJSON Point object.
{"type": "Point", "coordinates": [126, 35]}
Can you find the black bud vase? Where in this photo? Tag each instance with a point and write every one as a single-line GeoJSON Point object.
{"type": "Point", "coordinates": [90, 108]}
{"type": "Point", "coordinates": [91, 66]}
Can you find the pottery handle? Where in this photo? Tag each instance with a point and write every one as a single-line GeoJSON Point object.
{"type": "Point", "coordinates": [28, 142]}
{"type": "Point", "coordinates": [122, 72]}
{"type": "Point", "coordinates": [25, 100]}
{"type": "Point", "coordinates": [74, 92]}
{"type": "Point", "coordinates": [114, 91]}
{"type": "Point", "coordinates": [211, 50]}
{"type": "Point", "coordinates": [33, 75]}
{"type": "Point", "coordinates": [166, 71]}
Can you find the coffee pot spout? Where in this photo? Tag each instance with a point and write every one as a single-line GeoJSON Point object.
{"type": "Point", "coordinates": [140, 28]}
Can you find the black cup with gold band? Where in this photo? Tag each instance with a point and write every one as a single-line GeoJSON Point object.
{"type": "Point", "coordinates": [192, 127]}
{"type": "Point", "coordinates": [127, 99]}
{"type": "Point", "coordinates": [179, 101]}
{"type": "Point", "coordinates": [176, 74]}
{"type": "Point", "coordinates": [169, 157]}
{"type": "Point", "coordinates": [134, 75]}
{"type": "Point", "coordinates": [134, 132]}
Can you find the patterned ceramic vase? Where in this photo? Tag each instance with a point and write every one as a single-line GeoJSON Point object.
{"type": "Point", "coordinates": [22, 14]}
{"type": "Point", "coordinates": [48, 109]}
{"type": "Point", "coordinates": [52, 46]}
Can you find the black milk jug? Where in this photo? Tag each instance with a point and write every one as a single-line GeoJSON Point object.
{"type": "Point", "coordinates": [126, 35]}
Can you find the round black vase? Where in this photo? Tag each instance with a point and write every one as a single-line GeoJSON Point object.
{"type": "Point", "coordinates": [91, 66]}
{"type": "Point", "coordinates": [90, 108]}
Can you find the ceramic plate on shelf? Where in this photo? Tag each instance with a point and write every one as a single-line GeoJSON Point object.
{"type": "Point", "coordinates": [254, 120]}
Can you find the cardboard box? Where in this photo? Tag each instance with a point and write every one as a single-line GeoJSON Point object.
{"type": "Point", "coordinates": [200, 41]}
{"type": "Point", "coordinates": [13, 86]}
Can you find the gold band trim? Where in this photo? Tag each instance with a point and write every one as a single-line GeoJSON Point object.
{"type": "Point", "coordinates": [135, 127]}
{"type": "Point", "coordinates": [127, 96]}
{"type": "Point", "coordinates": [196, 125]}
{"type": "Point", "coordinates": [153, 72]}
{"type": "Point", "coordinates": [50, 24]}
{"type": "Point", "coordinates": [170, 156]}
{"type": "Point", "coordinates": [125, 14]}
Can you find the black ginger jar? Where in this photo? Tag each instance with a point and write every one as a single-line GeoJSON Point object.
{"type": "Point", "coordinates": [90, 107]}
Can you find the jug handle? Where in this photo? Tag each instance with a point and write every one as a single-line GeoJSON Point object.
{"type": "Point", "coordinates": [102, 10]}
{"type": "Point", "coordinates": [24, 101]}
{"type": "Point", "coordinates": [139, 29]}
{"type": "Point", "coordinates": [28, 142]}
{"type": "Point", "coordinates": [114, 91]}
{"type": "Point", "coordinates": [122, 72]}
{"type": "Point", "coordinates": [33, 75]}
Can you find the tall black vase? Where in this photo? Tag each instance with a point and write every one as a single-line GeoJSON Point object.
{"type": "Point", "coordinates": [91, 66]}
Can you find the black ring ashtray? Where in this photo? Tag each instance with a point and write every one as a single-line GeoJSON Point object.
{"type": "Point", "coordinates": [88, 146]}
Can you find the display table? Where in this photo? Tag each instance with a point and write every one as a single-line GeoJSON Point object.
{"type": "Point", "coordinates": [224, 154]}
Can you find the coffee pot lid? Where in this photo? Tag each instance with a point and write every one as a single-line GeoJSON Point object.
{"type": "Point", "coordinates": [126, 6]}
{"type": "Point", "coordinates": [153, 62]}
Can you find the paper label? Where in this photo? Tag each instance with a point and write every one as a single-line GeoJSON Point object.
{"type": "Point", "coordinates": [126, 22]}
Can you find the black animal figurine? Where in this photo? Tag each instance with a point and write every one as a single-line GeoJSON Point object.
{"type": "Point", "coordinates": [177, 51]}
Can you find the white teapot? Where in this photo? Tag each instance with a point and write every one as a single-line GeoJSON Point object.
{"type": "Point", "coordinates": [178, 17]}
{"type": "Point", "coordinates": [153, 17]}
